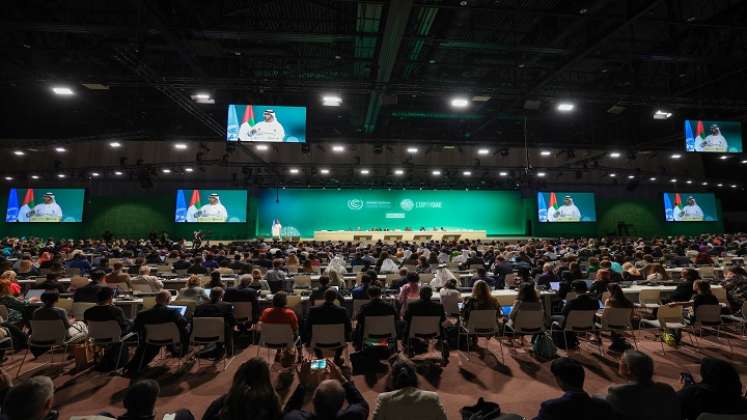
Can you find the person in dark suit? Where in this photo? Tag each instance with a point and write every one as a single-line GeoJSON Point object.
{"type": "Point", "coordinates": [90, 292]}
{"type": "Point", "coordinates": [75, 332]}
{"type": "Point", "coordinates": [482, 274]}
{"type": "Point", "coordinates": [375, 307]}
{"type": "Point", "coordinates": [642, 398]}
{"type": "Point", "coordinates": [51, 284]}
{"type": "Point", "coordinates": [219, 309]}
{"type": "Point", "coordinates": [575, 403]}
{"type": "Point", "coordinates": [106, 311]}
{"type": "Point", "coordinates": [159, 314]}
{"type": "Point", "coordinates": [244, 293]}
{"type": "Point", "coordinates": [325, 314]}
{"type": "Point", "coordinates": [426, 307]}
{"type": "Point", "coordinates": [582, 302]}
{"type": "Point", "coordinates": [181, 263]}
{"type": "Point", "coordinates": [319, 292]}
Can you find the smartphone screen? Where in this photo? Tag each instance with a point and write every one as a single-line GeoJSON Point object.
{"type": "Point", "coordinates": [318, 364]}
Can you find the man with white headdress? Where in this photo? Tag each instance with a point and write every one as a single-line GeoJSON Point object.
{"type": "Point", "coordinates": [337, 264]}
{"type": "Point", "coordinates": [691, 211]}
{"type": "Point", "coordinates": [463, 258]}
{"type": "Point", "coordinates": [277, 229]}
{"type": "Point", "coordinates": [441, 276]}
{"type": "Point", "coordinates": [213, 210]}
{"type": "Point", "coordinates": [567, 212]}
{"type": "Point", "coordinates": [269, 129]}
{"type": "Point", "coordinates": [48, 208]}
{"type": "Point", "coordinates": [714, 142]}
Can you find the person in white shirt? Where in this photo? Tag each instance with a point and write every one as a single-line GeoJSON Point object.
{"type": "Point", "coordinates": [441, 276]}
{"type": "Point", "coordinates": [566, 212]}
{"type": "Point", "coordinates": [690, 211]}
{"type": "Point", "coordinates": [277, 229]}
{"type": "Point", "coordinates": [337, 264]}
{"type": "Point", "coordinates": [213, 208]}
{"type": "Point", "coordinates": [461, 259]}
{"type": "Point", "coordinates": [269, 129]}
{"type": "Point", "coordinates": [48, 208]}
{"type": "Point", "coordinates": [714, 142]}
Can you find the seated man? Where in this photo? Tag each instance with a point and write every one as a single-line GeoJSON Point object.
{"type": "Point", "coordinates": [325, 314]}
{"type": "Point", "coordinates": [140, 402]}
{"type": "Point", "coordinates": [318, 293]}
{"type": "Point", "coordinates": [642, 398]}
{"type": "Point", "coordinates": [51, 284]}
{"type": "Point", "coordinates": [89, 293]}
{"type": "Point", "coordinates": [217, 308]}
{"type": "Point", "coordinates": [158, 314]}
{"type": "Point", "coordinates": [105, 310]}
{"type": "Point", "coordinates": [76, 332]}
{"type": "Point", "coordinates": [33, 400]}
{"type": "Point", "coordinates": [244, 293]}
{"type": "Point", "coordinates": [360, 292]}
{"type": "Point", "coordinates": [426, 307]}
{"type": "Point", "coordinates": [118, 278]}
{"type": "Point", "coordinates": [375, 307]}
{"type": "Point", "coordinates": [329, 397]}
{"type": "Point", "coordinates": [276, 277]}
{"type": "Point", "coordinates": [145, 282]}
{"type": "Point", "coordinates": [583, 302]}
{"type": "Point", "coordinates": [575, 402]}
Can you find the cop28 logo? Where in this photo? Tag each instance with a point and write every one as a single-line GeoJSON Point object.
{"type": "Point", "coordinates": [406, 204]}
{"type": "Point", "coordinates": [355, 204]}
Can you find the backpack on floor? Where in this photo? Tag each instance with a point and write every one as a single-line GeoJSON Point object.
{"type": "Point", "coordinates": [543, 346]}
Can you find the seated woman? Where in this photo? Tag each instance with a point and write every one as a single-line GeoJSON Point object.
{"type": "Point", "coordinates": [617, 299]}
{"type": "Point", "coordinates": [407, 400]}
{"type": "Point", "coordinates": [450, 291]}
{"type": "Point", "coordinates": [526, 300]}
{"type": "Point", "coordinates": [719, 391]}
{"type": "Point", "coordinates": [410, 291]}
{"type": "Point", "coordinates": [19, 312]}
{"type": "Point", "coordinates": [278, 313]}
{"type": "Point", "coordinates": [251, 397]}
{"type": "Point", "coordinates": [258, 283]}
{"type": "Point", "coordinates": [193, 291]}
{"type": "Point", "coordinates": [481, 299]}
{"type": "Point", "coordinates": [10, 276]}
{"type": "Point", "coordinates": [76, 332]}
{"type": "Point", "coordinates": [631, 273]}
{"type": "Point", "coordinates": [215, 281]}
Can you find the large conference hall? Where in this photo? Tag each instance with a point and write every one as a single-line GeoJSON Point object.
{"type": "Point", "coordinates": [373, 209]}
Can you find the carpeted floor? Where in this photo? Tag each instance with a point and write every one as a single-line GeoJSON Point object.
{"type": "Point", "coordinates": [519, 385]}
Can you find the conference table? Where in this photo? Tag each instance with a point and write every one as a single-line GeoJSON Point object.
{"type": "Point", "coordinates": [398, 235]}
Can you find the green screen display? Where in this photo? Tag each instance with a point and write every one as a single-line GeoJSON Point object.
{"type": "Point", "coordinates": [210, 206]}
{"type": "Point", "coordinates": [557, 207]}
{"type": "Point", "coordinates": [49, 205]}
{"type": "Point", "coordinates": [713, 136]}
{"type": "Point", "coordinates": [301, 212]}
{"type": "Point", "coordinates": [690, 207]}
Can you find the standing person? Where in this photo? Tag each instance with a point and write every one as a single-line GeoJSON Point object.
{"type": "Point", "coordinates": [251, 396]}
{"type": "Point", "coordinates": [642, 398]}
{"type": "Point", "coordinates": [277, 229]}
{"type": "Point", "coordinates": [575, 403]}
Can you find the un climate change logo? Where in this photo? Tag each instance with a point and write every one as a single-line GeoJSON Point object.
{"type": "Point", "coordinates": [406, 204]}
{"type": "Point", "coordinates": [355, 204]}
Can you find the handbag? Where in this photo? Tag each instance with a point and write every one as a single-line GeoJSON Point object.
{"type": "Point", "coordinates": [543, 346]}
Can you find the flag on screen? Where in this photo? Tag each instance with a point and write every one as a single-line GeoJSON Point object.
{"type": "Point", "coordinates": [194, 206]}
{"type": "Point", "coordinates": [668, 210]}
{"type": "Point", "coordinates": [12, 214]}
{"type": "Point", "coordinates": [699, 130]}
{"type": "Point", "coordinates": [553, 201]}
{"type": "Point", "coordinates": [541, 201]}
{"type": "Point", "coordinates": [232, 128]}
{"type": "Point", "coordinates": [181, 207]}
{"type": "Point", "coordinates": [28, 203]}
{"type": "Point", "coordinates": [249, 115]}
{"type": "Point", "coordinates": [677, 200]}
{"type": "Point", "coordinates": [689, 137]}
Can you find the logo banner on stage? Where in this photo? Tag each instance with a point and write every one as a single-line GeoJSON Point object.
{"type": "Point", "coordinates": [300, 212]}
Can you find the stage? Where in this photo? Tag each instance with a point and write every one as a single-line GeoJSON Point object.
{"type": "Point", "coordinates": [398, 235]}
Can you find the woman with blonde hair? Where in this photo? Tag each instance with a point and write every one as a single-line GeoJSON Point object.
{"type": "Point", "coordinates": [480, 299]}
{"type": "Point", "coordinates": [335, 279]}
{"type": "Point", "coordinates": [193, 291]}
{"type": "Point", "coordinates": [630, 272]}
{"type": "Point", "coordinates": [10, 277]}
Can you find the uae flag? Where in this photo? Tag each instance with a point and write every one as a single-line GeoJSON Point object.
{"type": "Point", "coordinates": [194, 206]}
{"type": "Point", "coordinates": [28, 204]}
{"type": "Point", "coordinates": [552, 207]}
{"type": "Point", "coordinates": [248, 115]}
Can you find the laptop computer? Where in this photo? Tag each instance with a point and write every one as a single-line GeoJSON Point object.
{"type": "Point", "coordinates": [34, 293]}
{"type": "Point", "coordinates": [506, 310]}
{"type": "Point", "coordinates": [179, 308]}
{"type": "Point", "coordinates": [555, 285]}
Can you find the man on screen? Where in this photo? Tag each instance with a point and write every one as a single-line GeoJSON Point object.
{"type": "Point", "coordinates": [568, 212]}
{"type": "Point", "coordinates": [213, 210]}
{"type": "Point", "coordinates": [267, 130]}
{"type": "Point", "coordinates": [714, 142]}
{"type": "Point", "coordinates": [47, 209]}
{"type": "Point", "coordinates": [691, 211]}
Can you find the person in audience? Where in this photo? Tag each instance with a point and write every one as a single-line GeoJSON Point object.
{"type": "Point", "coordinates": [582, 302]}
{"type": "Point", "coordinates": [735, 284]}
{"type": "Point", "coordinates": [145, 282]}
{"type": "Point", "coordinates": [482, 275]}
{"type": "Point", "coordinates": [441, 276]}
{"type": "Point", "coordinates": [223, 268]}
{"type": "Point", "coordinates": [683, 292]}
{"type": "Point", "coordinates": [426, 307]}
{"type": "Point", "coordinates": [280, 314]}
{"type": "Point", "coordinates": [76, 332]}
{"type": "Point", "coordinates": [406, 400]}
{"type": "Point", "coordinates": [630, 272]}
{"type": "Point", "coordinates": [80, 262]}
{"type": "Point", "coordinates": [31, 399]}
{"type": "Point", "coordinates": [89, 293]}
{"type": "Point", "coordinates": [158, 314]}
{"type": "Point", "coordinates": [244, 293]}
{"type": "Point", "coordinates": [336, 279]}
{"type": "Point", "coordinates": [10, 277]}
{"type": "Point", "coordinates": [215, 280]}
{"type": "Point", "coordinates": [575, 403]}
{"type": "Point", "coordinates": [251, 396]}
{"type": "Point", "coordinates": [385, 264]}
{"type": "Point", "coordinates": [547, 276]}
{"type": "Point", "coordinates": [328, 399]}
{"type": "Point", "coordinates": [602, 280]}
{"type": "Point", "coordinates": [409, 292]}
{"type": "Point", "coordinates": [450, 291]}
{"type": "Point", "coordinates": [216, 308]}
{"type": "Point", "coordinates": [680, 260]}
{"type": "Point", "coordinates": [375, 307]}
{"type": "Point", "coordinates": [105, 310]}
{"type": "Point", "coordinates": [481, 299]}
{"type": "Point", "coordinates": [402, 279]}
{"type": "Point", "coordinates": [719, 391]}
{"type": "Point", "coordinates": [655, 272]}
{"type": "Point", "coordinates": [181, 263]}
{"type": "Point", "coordinates": [118, 278]}
{"type": "Point", "coordinates": [140, 403]}
{"type": "Point", "coordinates": [423, 266]}
{"type": "Point", "coordinates": [51, 283]}
{"type": "Point", "coordinates": [642, 398]}
{"type": "Point", "coordinates": [210, 263]}
{"type": "Point", "coordinates": [193, 291]}
{"type": "Point", "coordinates": [19, 311]}
{"type": "Point", "coordinates": [617, 299]}
{"type": "Point", "coordinates": [276, 277]}
{"type": "Point", "coordinates": [257, 282]}
{"type": "Point", "coordinates": [702, 296]}
{"type": "Point", "coordinates": [318, 293]}
{"type": "Point", "coordinates": [526, 300]}
{"type": "Point", "coordinates": [361, 292]}
{"type": "Point", "coordinates": [326, 314]}
{"type": "Point", "coordinates": [197, 267]}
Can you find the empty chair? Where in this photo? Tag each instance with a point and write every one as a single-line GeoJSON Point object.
{"type": "Point", "coordinates": [740, 317]}
{"type": "Point", "coordinates": [527, 322]}
{"type": "Point", "coordinates": [450, 302]}
{"type": "Point", "coordinates": [46, 334]}
{"type": "Point", "coordinates": [379, 328]}
{"type": "Point", "coordinates": [708, 316]}
{"type": "Point", "coordinates": [207, 331]}
{"type": "Point", "coordinates": [578, 322]}
{"type": "Point", "coordinates": [649, 298]}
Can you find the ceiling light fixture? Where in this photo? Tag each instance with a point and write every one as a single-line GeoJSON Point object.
{"type": "Point", "coordinates": [34, 176]}
{"type": "Point", "coordinates": [338, 148]}
{"type": "Point", "coordinates": [566, 107]}
{"type": "Point", "coordinates": [467, 173]}
{"type": "Point", "coordinates": [541, 174]}
{"type": "Point", "coordinates": [188, 169]}
{"type": "Point", "coordinates": [61, 176]}
{"type": "Point", "coordinates": [676, 156]}
{"type": "Point", "coordinates": [262, 147]}
{"type": "Point", "coordinates": [412, 150]}
{"type": "Point", "coordinates": [365, 171]}
{"type": "Point", "coordinates": [115, 144]}
{"type": "Point", "coordinates": [436, 172]}
{"type": "Point", "coordinates": [324, 171]}
{"type": "Point", "coordinates": [166, 170]}
{"type": "Point", "coordinates": [459, 102]}
{"type": "Point", "coordinates": [662, 115]}
{"type": "Point", "coordinates": [399, 172]}
{"type": "Point", "coordinates": [180, 146]}
{"type": "Point", "coordinates": [545, 153]}
{"type": "Point", "coordinates": [62, 91]}
{"type": "Point", "coordinates": [19, 152]}
{"type": "Point", "coordinates": [118, 173]}
{"type": "Point", "coordinates": [331, 100]}
{"type": "Point", "coordinates": [60, 149]}
{"type": "Point", "coordinates": [615, 155]}
{"type": "Point", "coordinates": [95, 174]}
{"type": "Point", "coordinates": [483, 151]}
{"type": "Point", "coordinates": [294, 171]}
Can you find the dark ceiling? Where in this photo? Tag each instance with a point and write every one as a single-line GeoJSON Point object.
{"type": "Point", "coordinates": [396, 64]}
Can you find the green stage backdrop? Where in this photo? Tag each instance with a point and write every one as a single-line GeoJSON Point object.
{"type": "Point", "coordinates": [301, 212]}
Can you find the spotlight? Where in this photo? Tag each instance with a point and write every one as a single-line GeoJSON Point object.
{"type": "Point", "coordinates": [673, 180]}
{"type": "Point", "coordinates": [744, 161]}
{"type": "Point", "coordinates": [180, 146]}
{"type": "Point", "coordinates": [436, 172]}
{"type": "Point", "coordinates": [541, 174]}
{"type": "Point", "coordinates": [615, 155]}
{"type": "Point", "coordinates": [483, 151]}
{"type": "Point", "coordinates": [662, 115]}
{"type": "Point", "coordinates": [62, 91]}
{"type": "Point", "coordinates": [8, 178]}
{"type": "Point", "coordinates": [399, 172]}
{"type": "Point", "coordinates": [734, 185]}
{"type": "Point", "coordinates": [365, 171]}
{"type": "Point", "coordinates": [612, 175]}
{"type": "Point", "coordinates": [719, 185]}
{"type": "Point", "coordinates": [676, 156]}
{"type": "Point", "coordinates": [331, 100]}
{"type": "Point", "coordinates": [704, 183]}
{"type": "Point", "coordinates": [61, 176]}
{"type": "Point", "coordinates": [166, 170]}
{"type": "Point", "coordinates": [115, 144]}
{"type": "Point", "coordinates": [35, 177]}
{"type": "Point", "coordinates": [262, 147]}
{"type": "Point", "coordinates": [95, 174]}
{"type": "Point", "coordinates": [19, 152]}
{"type": "Point", "coordinates": [294, 171]}
{"type": "Point", "coordinates": [459, 102]}
{"type": "Point", "coordinates": [502, 173]}
{"type": "Point", "coordinates": [566, 107]}
{"type": "Point", "coordinates": [60, 149]}
{"type": "Point", "coordinates": [202, 98]}
{"type": "Point", "coordinates": [324, 171]}
{"type": "Point", "coordinates": [652, 179]}
{"type": "Point", "coordinates": [188, 169]}
{"type": "Point", "coordinates": [467, 173]}
{"type": "Point", "coordinates": [412, 150]}
{"type": "Point", "coordinates": [724, 157]}
{"type": "Point", "coordinates": [545, 153]}
{"type": "Point", "coordinates": [118, 173]}
{"type": "Point", "coordinates": [631, 176]}
{"type": "Point", "coordinates": [688, 182]}
{"type": "Point", "coordinates": [338, 148]}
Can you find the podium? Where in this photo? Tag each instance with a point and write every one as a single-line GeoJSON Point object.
{"type": "Point", "coordinates": [45, 219]}
{"type": "Point", "coordinates": [211, 219]}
